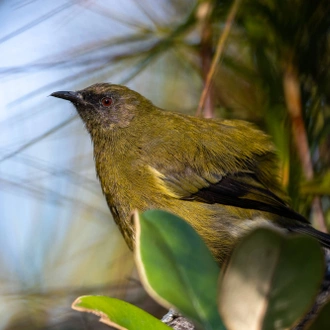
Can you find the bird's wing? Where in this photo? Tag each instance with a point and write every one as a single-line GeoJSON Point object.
{"type": "Point", "coordinates": [214, 170]}
{"type": "Point", "coordinates": [240, 189]}
{"type": "Point", "coordinates": [243, 190]}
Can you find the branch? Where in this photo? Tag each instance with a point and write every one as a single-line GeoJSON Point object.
{"type": "Point", "coordinates": [291, 87]}
{"type": "Point", "coordinates": [220, 46]}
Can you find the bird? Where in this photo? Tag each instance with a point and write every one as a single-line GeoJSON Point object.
{"type": "Point", "coordinates": [219, 175]}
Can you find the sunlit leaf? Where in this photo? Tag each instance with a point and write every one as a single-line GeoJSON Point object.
{"type": "Point", "coordinates": [118, 314]}
{"type": "Point", "coordinates": [271, 281]}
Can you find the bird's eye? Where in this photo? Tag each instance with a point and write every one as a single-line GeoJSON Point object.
{"type": "Point", "coordinates": [106, 101]}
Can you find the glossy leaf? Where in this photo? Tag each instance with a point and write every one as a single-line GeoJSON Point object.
{"type": "Point", "coordinates": [176, 267]}
{"type": "Point", "coordinates": [118, 314]}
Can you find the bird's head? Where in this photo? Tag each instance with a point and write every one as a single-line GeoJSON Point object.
{"type": "Point", "coordinates": [105, 106]}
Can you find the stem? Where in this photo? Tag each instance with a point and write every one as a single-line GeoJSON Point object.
{"type": "Point", "coordinates": [206, 53]}
{"type": "Point", "coordinates": [220, 46]}
{"type": "Point", "coordinates": [291, 87]}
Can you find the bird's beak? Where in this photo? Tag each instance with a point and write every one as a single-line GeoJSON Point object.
{"type": "Point", "coordinates": [70, 96]}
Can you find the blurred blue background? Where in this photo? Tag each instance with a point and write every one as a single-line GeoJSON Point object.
{"type": "Point", "coordinates": [57, 237]}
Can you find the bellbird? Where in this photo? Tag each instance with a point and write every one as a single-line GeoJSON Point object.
{"type": "Point", "coordinates": [219, 175]}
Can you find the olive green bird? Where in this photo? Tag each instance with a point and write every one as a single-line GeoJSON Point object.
{"type": "Point", "coordinates": [219, 175]}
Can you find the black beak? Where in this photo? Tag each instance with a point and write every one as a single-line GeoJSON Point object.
{"type": "Point", "coordinates": [70, 96]}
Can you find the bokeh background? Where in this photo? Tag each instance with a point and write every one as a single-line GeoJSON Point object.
{"type": "Point", "coordinates": [57, 238]}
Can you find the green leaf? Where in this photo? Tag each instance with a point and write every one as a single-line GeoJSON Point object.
{"type": "Point", "coordinates": [322, 320]}
{"type": "Point", "coordinates": [271, 281]}
{"type": "Point", "coordinates": [317, 186]}
{"type": "Point", "coordinates": [176, 267]}
{"type": "Point", "coordinates": [118, 314]}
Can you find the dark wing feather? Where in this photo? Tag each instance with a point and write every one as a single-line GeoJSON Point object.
{"type": "Point", "coordinates": [323, 238]}
{"type": "Point", "coordinates": [243, 190]}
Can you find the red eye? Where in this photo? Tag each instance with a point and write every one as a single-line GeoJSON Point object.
{"type": "Point", "coordinates": [106, 101]}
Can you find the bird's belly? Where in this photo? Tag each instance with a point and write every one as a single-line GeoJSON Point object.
{"type": "Point", "coordinates": [220, 226]}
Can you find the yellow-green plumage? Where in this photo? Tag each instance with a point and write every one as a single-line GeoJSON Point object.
{"type": "Point", "coordinates": [219, 175]}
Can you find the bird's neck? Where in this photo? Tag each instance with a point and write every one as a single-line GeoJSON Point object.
{"type": "Point", "coordinates": [113, 161]}
{"type": "Point", "coordinates": [111, 151]}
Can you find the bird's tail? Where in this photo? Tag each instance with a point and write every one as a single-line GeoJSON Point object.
{"type": "Point", "coordinates": [323, 238]}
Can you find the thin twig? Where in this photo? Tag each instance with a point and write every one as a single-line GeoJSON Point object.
{"type": "Point", "coordinates": [206, 53]}
{"type": "Point", "coordinates": [291, 87]}
{"type": "Point", "coordinates": [219, 50]}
